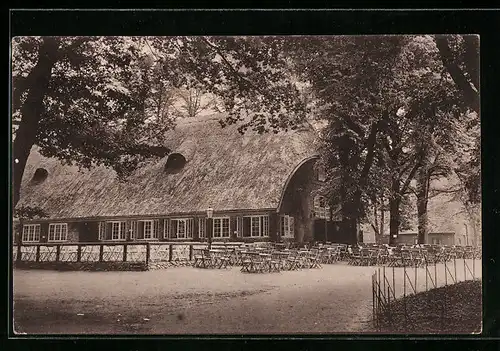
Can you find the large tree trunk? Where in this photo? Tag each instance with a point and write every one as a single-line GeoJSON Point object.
{"type": "Point", "coordinates": [32, 111]}
{"type": "Point", "coordinates": [422, 202]}
{"type": "Point", "coordinates": [394, 219]}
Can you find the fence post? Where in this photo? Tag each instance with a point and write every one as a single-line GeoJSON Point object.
{"type": "Point", "coordinates": [78, 253]}
{"type": "Point", "coordinates": [101, 252]}
{"type": "Point", "coordinates": [394, 281]}
{"type": "Point", "coordinates": [465, 271]}
{"type": "Point", "coordinates": [404, 281]}
{"type": "Point", "coordinates": [415, 285]}
{"type": "Point", "coordinates": [148, 252]}
{"type": "Point", "coordinates": [445, 273]}
{"type": "Point", "coordinates": [435, 275]}
{"type": "Point", "coordinates": [125, 252]}
{"type": "Point", "coordinates": [58, 252]}
{"type": "Point", "coordinates": [170, 253]}
{"type": "Point", "coordinates": [383, 270]}
{"type": "Point", "coordinates": [474, 267]}
{"type": "Point", "coordinates": [190, 252]}
{"type": "Point", "coordinates": [426, 278]}
{"type": "Point", "coordinates": [455, 267]}
{"type": "Point", "coordinates": [37, 253]}
{"type": "Point", "coordinates": [373, 302]}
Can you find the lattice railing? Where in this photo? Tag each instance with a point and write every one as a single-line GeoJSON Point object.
{"type": "Point", "coordinates": [68, 253]}
{"type": "Point", "coordinates": [48, 253]}
{"type": "Point", "coordinates": [159, 253]}
{"type": "Point", "coordinates": [90, 253]}
{"type": "Point", "coordinates": [28, 253]}
{"type": "Point", "coordinates": [173, 252]}
{"type": "Point", "coordinates": [112, 253]}
{"type": "Point", "coordinates": [180, 253]}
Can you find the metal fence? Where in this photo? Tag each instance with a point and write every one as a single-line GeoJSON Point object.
{"type": "Point", "coordinates": [391, 283]}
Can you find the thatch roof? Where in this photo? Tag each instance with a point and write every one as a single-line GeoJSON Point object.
{"type": "Point", "coordinates": [224, 170]}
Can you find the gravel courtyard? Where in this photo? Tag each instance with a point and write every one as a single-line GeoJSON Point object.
{"type": "Point", "coordinates": [186, 300]}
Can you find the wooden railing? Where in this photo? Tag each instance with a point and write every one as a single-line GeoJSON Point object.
{"type": "Point", "coordinates": [110, 251]}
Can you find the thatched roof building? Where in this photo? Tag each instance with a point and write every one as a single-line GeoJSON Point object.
{"type": "Point", "coordinates": [210, 167]}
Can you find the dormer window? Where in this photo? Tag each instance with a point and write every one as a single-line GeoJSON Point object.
{"type": "Point", "coordinates": [40, 175]}
{"type": "Point", "coordinates": [175, 163]}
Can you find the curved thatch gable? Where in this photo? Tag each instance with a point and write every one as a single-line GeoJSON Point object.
{"type": "Point", "coordinates": [224, 170]}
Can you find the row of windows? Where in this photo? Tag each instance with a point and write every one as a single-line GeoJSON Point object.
{"type": "Point", "coordinates": [57, 232]}
{"type": "Point", "coordinates": [183, 228]}
{"type": "Point", "coordinates": [180, 228]}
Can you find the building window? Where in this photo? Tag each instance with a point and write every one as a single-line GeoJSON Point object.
{"type": "Point", "coordinates": [221, 227]}
{"type": "Point", "coordinates": [201, 227]}
{"type": "Point", "coordinates": [181, 228]}
{"type": "Point", "coordinates": [118, 230]}
{"type": "Point", "coordinates": [58, 232]}
{"type": "Point", "coordinates": [31, 233]}
{"type": "Point", "coordinates": [321, 209]}
{"type": "Point", "coordinates": [256, 226]}
{"type": "Point", "coordinates": [287, 226]}
{"type": "Point", "coordinates": [147, 229]}
{"type": "Point", "coordinates": [436, 241]}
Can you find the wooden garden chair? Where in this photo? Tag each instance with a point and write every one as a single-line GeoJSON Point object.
{"type": "Point", "coordinates": [315, 259]}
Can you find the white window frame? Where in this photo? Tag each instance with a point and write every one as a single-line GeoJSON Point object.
{"type": "Point", "coordinates": [202, 227]}
{"type": "Point", "coordinates": [179, 220]}
{"type": "Point", "coordinates": [288, 226]}
{"type": "Point", "coordinates": [152, 232]}
{"type": "Point", "coordinates": [262, 226]}
{"type": "Point", "coordinates": [221, 219]}
{"type": "Point", "coordinates": [188, 232]}
{"type": "Point", "coordinates": [31, 233]}
{"type": "Point", "coordinates": [122, 234]}
{"type": "Point", "coordinates": [166, 228]}
{"type": "Point", "coordinates": [59, 226]}
{"type": "Point", "coordinates": [239, 226]}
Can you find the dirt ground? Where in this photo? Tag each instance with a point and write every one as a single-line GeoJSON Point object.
{"type": "Point", "coordinates": [186, 300]}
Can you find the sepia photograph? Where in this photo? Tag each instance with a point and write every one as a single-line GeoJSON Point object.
{"type": "Point", "coordinates": [242, 185]}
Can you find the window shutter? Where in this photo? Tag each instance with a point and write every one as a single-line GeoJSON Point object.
{"type": "Point", "coordinates": [108, 233]}
{"type": "Point", "coordinates": [101, 230]}
{"type": "Point", "coordinates": [159, 228]}
{"type": "Point", "coordinates": [155, 228]}
{"type": "Point", "coordinates": [133, 233]}
{"type": "Point", "coordinates": [196, 223]}
{"type": "Point", "coordinates": [291, 225]}
{"type": "Point", "coordinates": [128, 226]}
{"type": "Point", "coordinates": [190, 228]}
{"type": "Point", "coordinates": [44, 232]}
{"type": "Point", "coordinates": [246, 226]}
{"type": "Point", "coordinates": [140, 230]}
{"type": "Point", "coordinates": [173, 229]}
{"type": "Point", "coordinates": [233, 224]}
{"type": "Point", "coordinates": [166, 228]}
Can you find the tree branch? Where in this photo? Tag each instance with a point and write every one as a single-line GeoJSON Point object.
{"type": "Point", "coordinates": [472, 58]}
{"type": "Point", "coordinates": [471, 95]}
{"type": "Point", "coordinates": [230, 66]}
